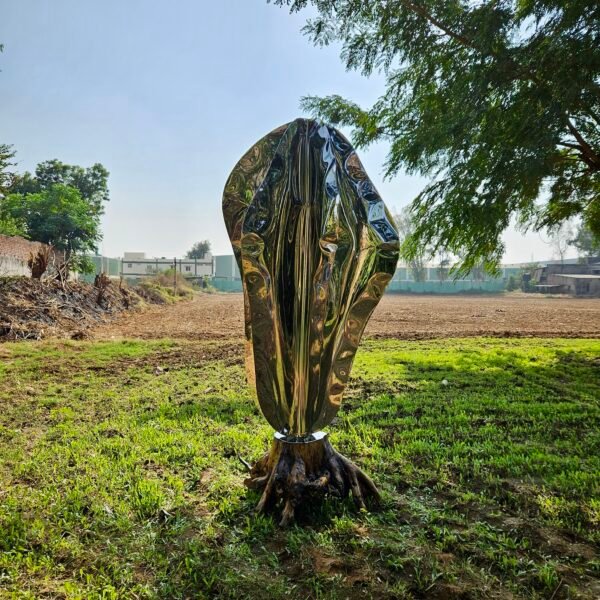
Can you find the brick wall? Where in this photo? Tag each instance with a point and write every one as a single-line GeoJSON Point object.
{"type": "Point", "coordinates": [14, 254]}
{"type": "Point", "coordinates": [17, 247]}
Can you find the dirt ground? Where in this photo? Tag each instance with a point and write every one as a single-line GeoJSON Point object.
{"type": "Point", "coordinates": [218, 316]}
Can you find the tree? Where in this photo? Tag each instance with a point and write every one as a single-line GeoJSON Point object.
{"type": "Point", "coordinates": [560, 238]}
{"type": "Point", "coordinates": [199, 249]}
{"type": "Point", "coordinates": [586, 242]}
{"type": "Point", "coordinates": [6, 174]}
{"type": "Point", "coordinates": [511, 284]}
{"type": "Point", "coordinates": [498, 103]}
{"type": "Point", "coordinates": [91, 182]}
{"type": "Point", "coordinates": [9, 226]}
{"type": "Point", "coordinates": [477, 272]}
{"type": "Point", "coordinates": [57, 216]}
{"type": "Point", "coordinates": [417, 261]}
{"type": "Point", "coordinates": [443, 269]}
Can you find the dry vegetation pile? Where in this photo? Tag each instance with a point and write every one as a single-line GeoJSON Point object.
{"type": "Point", "coordinates": [165, 288]}
{"type": "Point", "coordinates": [34, 309]}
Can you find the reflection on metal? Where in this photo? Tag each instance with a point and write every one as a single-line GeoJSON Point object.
{"type": "Point", "coordinates": [316, 247]}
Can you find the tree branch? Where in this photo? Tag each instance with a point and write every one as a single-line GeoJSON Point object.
{"type": "Point", "coordinates": [568, 145]}
{"type": "Point", "coordinates": [588, 154]}
{"type": "Point", "coordinates": [421, 11]}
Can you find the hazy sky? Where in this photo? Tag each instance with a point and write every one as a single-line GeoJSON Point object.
{"type": "Point", "coordinates": [168, 96]}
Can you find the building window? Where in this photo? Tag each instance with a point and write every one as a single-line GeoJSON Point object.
{"type": "Point", "coordinates": [129, 265]}
{"type": "Point", "coordinates": [188, 268]}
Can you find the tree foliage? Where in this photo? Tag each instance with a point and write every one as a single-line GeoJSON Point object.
{"type": "Point", "coordinates": [91, 182]}
{"type": "Point", "coordinates": [560, 238]}
{"type": "Point", "coordinates": [7, 155]}
{"type": "Point", "coordinates": [57, 216]}
{"type": "Point", "coordinates": [586, 242]}
{"type": "Point", "coordinates": [8, 226]}
{"type": "Point", "coordinates": [199, 249]}
{"type": "Point", "coordinates": [417, 261]}
{"type": "Point", "coordinates": [497, 103]}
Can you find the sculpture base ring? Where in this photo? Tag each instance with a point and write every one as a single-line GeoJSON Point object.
{"type": "Point", "coordinates": [317, 436]}
{"type": "Point", "coordinates": [292, 471]}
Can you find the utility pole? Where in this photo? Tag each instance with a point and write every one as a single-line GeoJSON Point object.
{"type": "Point", "coordinates": [175, 277]}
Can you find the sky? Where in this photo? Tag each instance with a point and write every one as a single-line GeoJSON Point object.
{"type": "Point", "coordinates": [168, 96]}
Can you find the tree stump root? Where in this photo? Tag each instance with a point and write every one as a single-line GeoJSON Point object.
{"type": "Point", "coordinates": [292, 472]}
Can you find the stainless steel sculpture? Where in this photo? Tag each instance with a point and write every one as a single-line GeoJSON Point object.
{"type": "Point", "coordinates": [316, 247]}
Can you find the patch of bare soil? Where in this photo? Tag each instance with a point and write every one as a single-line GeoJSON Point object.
{"type": "Point", "coordinates": [220, 316]}
{"type": "Point", "coordinates": [519, 315]}
{"type": "Point", "coordinates": [205, 317]}
{"type": "Point", "coordinates": [34, 309]}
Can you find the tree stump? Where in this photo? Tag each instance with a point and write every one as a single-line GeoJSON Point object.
{"type": "Point", "coordinates": [294, 470]}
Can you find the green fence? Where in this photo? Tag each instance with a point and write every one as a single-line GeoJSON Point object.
{"type": "Point", "coordinates": [102, 264]}
{"type": "Point", "coordinates": [447, 287]}
{"type": "Point", "coordinates": [406, 287]}
{"type": "Point", "coordinates": [227, 285]}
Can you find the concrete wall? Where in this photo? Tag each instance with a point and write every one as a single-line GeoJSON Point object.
{"type": "Point", "coordinates": [226, 267]}
{"type": "Point", "coordinates": [579, 286]}
{"type": "Point", "coordinates": [13, 266]}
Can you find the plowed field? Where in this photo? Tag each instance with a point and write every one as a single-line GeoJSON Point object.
{"type": "Point", "coordinates": [218, 316]}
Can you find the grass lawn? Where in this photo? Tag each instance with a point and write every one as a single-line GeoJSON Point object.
{"type": "Point", "coordinates": [119, 479]}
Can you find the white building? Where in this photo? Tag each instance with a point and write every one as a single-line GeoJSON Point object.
{"type": "Point", "coordinates": [135, 265]}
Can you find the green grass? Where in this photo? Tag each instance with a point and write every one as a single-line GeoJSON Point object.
{"type": "Point", "coordinates": [119, 479]}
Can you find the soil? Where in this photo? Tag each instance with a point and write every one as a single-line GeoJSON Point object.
{"type": "Point", "coordinates": [221, 316]}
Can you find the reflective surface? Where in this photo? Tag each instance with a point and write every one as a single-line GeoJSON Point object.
{"type": "Point", "coordinates": [316, 247]}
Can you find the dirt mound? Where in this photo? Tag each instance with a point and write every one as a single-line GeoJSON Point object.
{"type": "Point", "coordinates": [33, 309]}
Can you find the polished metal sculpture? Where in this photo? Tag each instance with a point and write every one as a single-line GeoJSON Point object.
{"type": "Point", "coordinates": [316, 247]}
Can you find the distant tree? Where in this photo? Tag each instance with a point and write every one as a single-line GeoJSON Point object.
{"type": "Point", "coordinates": [525, 277]}
{"type": "Point", "coordinates": [443, 268]}
{"type": "Point", "coordinates": [586, 242]}
{"type": "Point", "coordinates": [511, 284]}
{"type": "Point", "coordinates": [57, 216]}
{"type": "Point", "coordinates": [91, 182]}
{"type": "Point", "coordinates": [497, 103]}
{"type": "Point", "coordinates": [417, 261]}
{"type": "Point", "coordinates": [6, 162]}
{"type": "Point", "coordinates": [199, 249]}
{"type": "Point", "coordinates": [8, 226]}
{"type": "Point", "coordinates": [477, 272]}
{"type": "Point", "coordinates": [560, 238]}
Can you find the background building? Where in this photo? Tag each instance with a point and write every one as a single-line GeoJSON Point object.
{"type": "Point", "coordinates": [135, 265]}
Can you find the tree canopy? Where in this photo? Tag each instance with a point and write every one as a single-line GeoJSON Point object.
{"type": "Point", "coordinates": [417, 263]}
{"type": "Point", "coordinates": [586, 242]}
{"type": "Point", "coordinates": [497, 103]}
{"type": "Point", "coordinates": [91, 182]}
{"type": "Point", "coordinates": [57, 216]}
{"type": "Point", "coordinates": [199, 249]}
{"type": "Point", "coordinates": [8, 226]}
{"type": "Point", "coordinates": [59, 205]}
{"type": "Point", "coordinates": [6, 162]}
